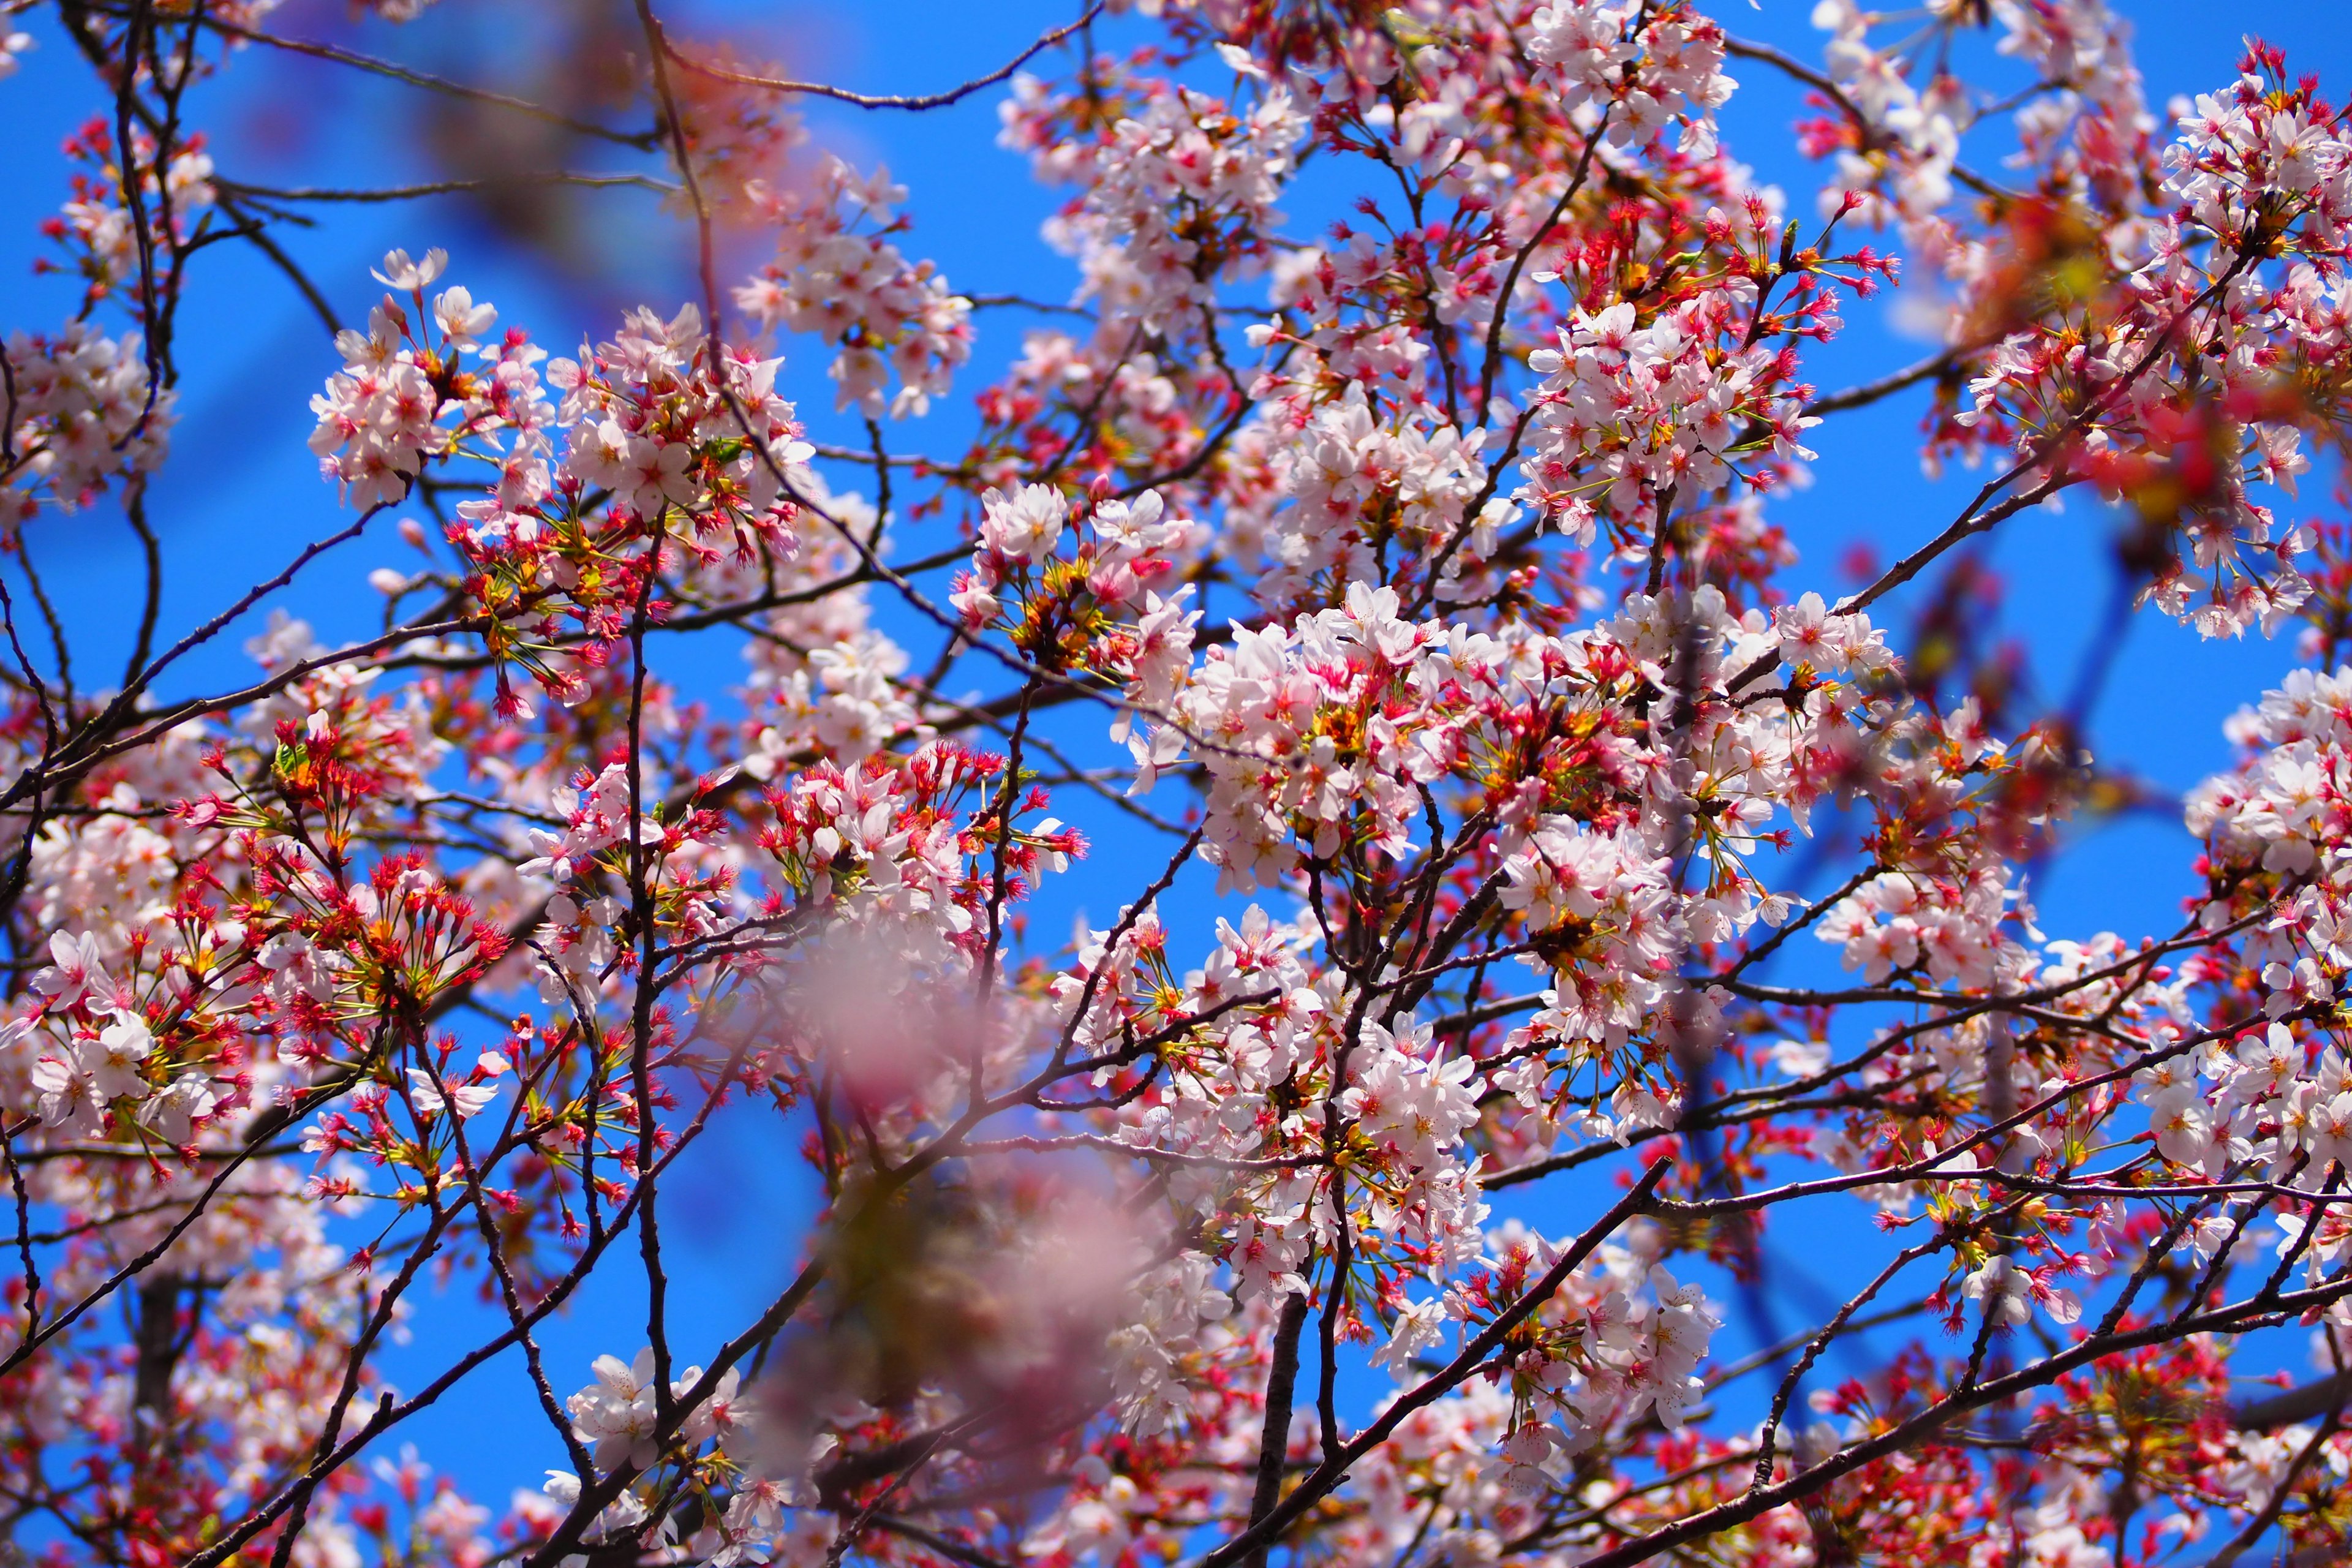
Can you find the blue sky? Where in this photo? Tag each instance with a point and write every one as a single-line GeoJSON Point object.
{"type": "Point", "coordinates": [242, 491]}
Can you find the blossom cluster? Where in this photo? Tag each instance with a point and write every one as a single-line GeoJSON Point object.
{"type": "Point", "coordinates": [83, 412]}
{"type": "Point", "coordinates": [854, 290]}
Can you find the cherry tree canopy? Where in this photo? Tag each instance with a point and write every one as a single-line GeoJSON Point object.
{"type": "Point", "coordinates": [1531, 904]}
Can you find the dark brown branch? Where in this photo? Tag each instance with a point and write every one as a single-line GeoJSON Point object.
{"type": "Point", "coordinates": [885, 101]}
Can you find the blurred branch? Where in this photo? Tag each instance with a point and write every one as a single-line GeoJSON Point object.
{"type": "Point", "coordinates": [2295, 1404]}
{"type": "Point", "coordinates": [643, 140]}
{"type": "Point", "coordinates": [444, 187]}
